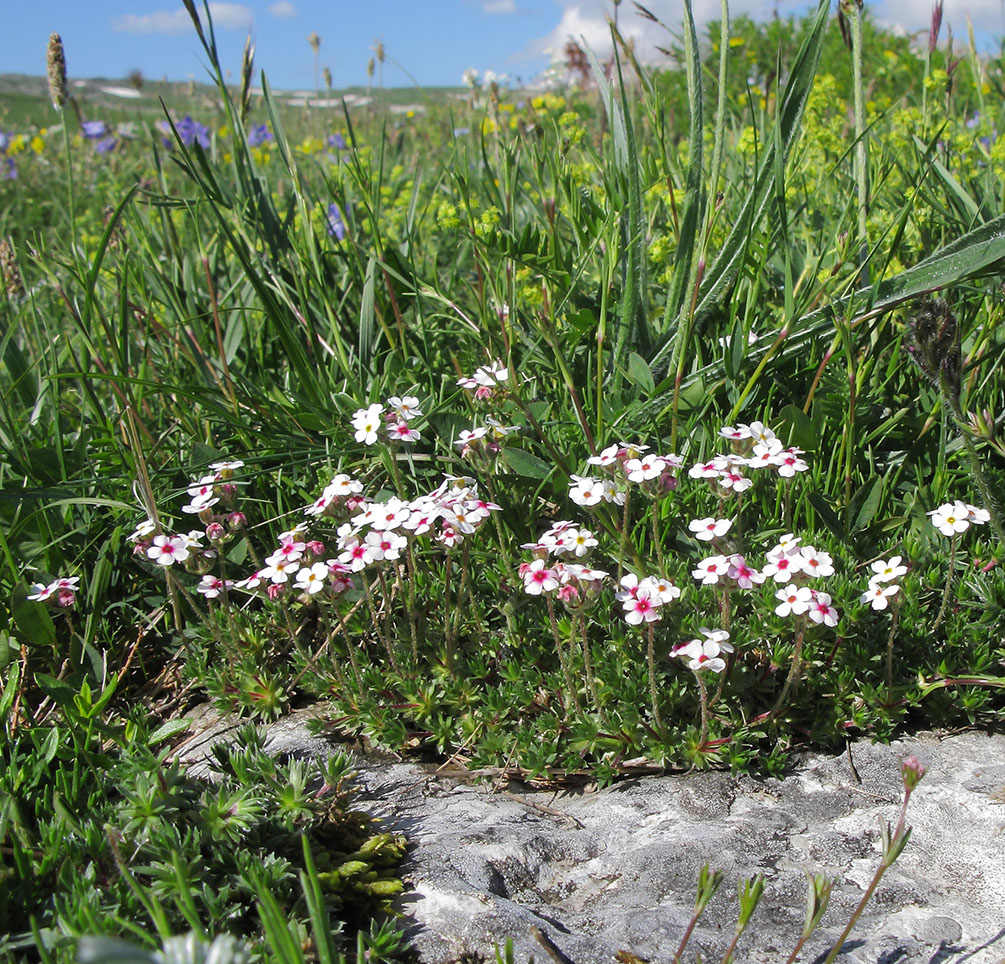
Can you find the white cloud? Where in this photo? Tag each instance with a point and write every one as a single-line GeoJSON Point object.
{"type": "Point", "coordinates": [499, 6]}
{"type": "Point", "coordinates": [587, 20]}
{"type": "Point", "coordinates": [229, 16]}
{"type": "Point", "coordinates": [283, 10]}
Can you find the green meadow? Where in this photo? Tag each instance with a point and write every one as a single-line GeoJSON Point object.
{"type": "Point", "coordinates": [647, 421]}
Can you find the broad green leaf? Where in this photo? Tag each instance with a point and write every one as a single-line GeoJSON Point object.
{"type": "Point", "coordinates": [525, 464]}
{"type": "Point", "coordinates": [638, 372]}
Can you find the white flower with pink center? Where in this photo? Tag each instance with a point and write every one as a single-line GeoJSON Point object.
{"type": "Point", "coordinates": [403, 432]}
{"type": "Point", "coordinates": [641, 608]}
{"type": "Point", "coordinates": [782, 568]}
{"type": "Point", "coordinates": [878, 595]}
{"type": "Point", "coordinates": [538, 578]}
{"type": "Point", "coordinates": [710, 570]}
{"type": "Point", "coordinates": [702, 655]}
{"type": "Point", "coordinates": [821, 610]}
{"type": "Point", "coordinates": [212, 586]}
{"type": "Point", "coordinates": [793, 601]}
{"type": "Point", "coordinates": [167, 550]}
{"type": "Point", "coordinates": [816, 563]}
{"type": "Point", "coordinates": [789, 463]}
{"type": "Point", "coordinates": [744, 575]}
{"type": "Point", "coordinates": [705, 530]}
{"type": "Point", "coordinates": [644, 469]}
{"type": "Point", "coordinates": [709, 469]}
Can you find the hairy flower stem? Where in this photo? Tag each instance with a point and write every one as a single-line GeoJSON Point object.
{"type": "Point", "coordinates": [949, 584]}
{"type": "Point", "coordinates": [892, 848]}
{"type": "Point", "coordinates": [376, 625]}
{"type": "Point", "coordinates": [952, 403]}
{"type": "Point", "coordinates": [385, 592]}
{"type": "Point", "coordinates": [652, 685]}
{"type": "Point", "coordinates": [657, 542]}
{"type": "Point", "coordinates": [350, 649]}
{"type": "Point", "coordinates": [587, 661]}
{"type": "Point", "coordinates": [794, 669]}
{"type": "Point", "coordinates": [465, 586]}
{"type": "Point", "coordinates": [566, 669]}
{"type": "Point", "coordinates": [412, 628]}
{"type": "Point", "coordinates": [703, 692]}
{"type": "Point", "coordinates": [448, 641]}
{"type": "Point", "coordinates": [894, 619]}
{"type": "Point", "coordinates": [623, 547]}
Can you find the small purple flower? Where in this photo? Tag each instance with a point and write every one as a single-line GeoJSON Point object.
{"type": "Point", "coordinates": [336, 226]}
{"type": "Point", "coordinates": [4, 141]}
{"type": "Point", "coordinates": [189, 131]}
{"type": "Point", "coordinates": [94, 129]}
{"type": "Point", "coordinates": [337, 141]}
{"type": "Point", "coordinates": [972, 122]}
{"type": "Point", "coordinates": [259, 135]}
{"type": "Point", "coordinates": [11, 173]}
{"type": "Point", "coordinates": [462, 131]}
{"type": "Point", "coordinates": [106, 145]}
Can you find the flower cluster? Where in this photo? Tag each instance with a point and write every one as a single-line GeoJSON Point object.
{"type": "Point", "coordinates": [881, 585]}
{"type": "Point", "coordinates": [61, 592]}
{"type": "Point", "coordinates": [578, 585]}
{"type": "Point", "coordinates": [394, 418]}
{"type": "Point", "coordinates": [704, 654]}
{"type": "Point", "coordinates": [207, 496]}
{"type": "Point", "coordinates": [484, 441]}
{"type": "Point", "coordinates": [755, 446]}
{"type": "Point", "coordinates": [642, 599]}
{"type": "Point", "coordinates": [951, 518]}
{"type": "Point", "coordinates": [295, 558]}
{"type": "Point", "coordinates": [624, 464]}
{"type": "Point", "coordinates": [485, 380]}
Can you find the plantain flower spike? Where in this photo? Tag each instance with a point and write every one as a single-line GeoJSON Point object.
{"type": "Point", "coordinates": [56, 71]}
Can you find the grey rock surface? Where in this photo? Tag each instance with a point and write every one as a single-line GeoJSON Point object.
{"type": "Point", "coordinates": [614, 870]}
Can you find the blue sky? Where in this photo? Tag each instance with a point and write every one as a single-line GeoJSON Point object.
{"type": "Point", "coordinates": [432, 41]}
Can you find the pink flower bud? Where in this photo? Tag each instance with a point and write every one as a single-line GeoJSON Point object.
{"type": "Point", "coordinates": [911, 770]}
{"type": "Point", "coordinates": [215, 532]}
{"type": "Point", "coordinates": [275, 590]}
{"type": "Point", "coordinates": [316, 548]}
{"type": "Point", "coordinates": [237, 520]}
{"type": "Point", "coordinates": [65, 598]}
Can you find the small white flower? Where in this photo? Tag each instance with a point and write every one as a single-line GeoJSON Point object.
{"type": "Point", "coordinates": [883, 571]}
{"type": "Point", "coordinates": [951, 518]}
{"type": "Point", "coordinates": [710, 570]}
{"type": "Point", "coordinates": [367, 422]}
{"type": "Point", "coordinates": [878, 595]}
{"type": "Point", "coordinates": [585, 490]}
{"type": "Point", "coordinates": [644, 469]}
{"type": "Point", "coordinates": [816, 563]}
{"type": "Point", "coordinates": [705, 530]}
{"type": "Point", "coordinates": [406, 407]}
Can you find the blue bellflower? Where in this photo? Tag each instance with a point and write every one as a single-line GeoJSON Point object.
{"type": "Point", "coordinates": [336, 226]}
{"type": "Point", "coordinates": [94, 129]}
{"type": "Point", "coordinates": [259, 135]}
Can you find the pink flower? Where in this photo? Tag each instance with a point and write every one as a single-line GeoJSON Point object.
{"type": "Point", "coordinates": [641, 608]}
{"type": "Point", "coordinates": [537, 578]}
{"type": "Point", "coordinates": [743, 574]}
{"type": "Point", "coordinates": [821, 610]}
